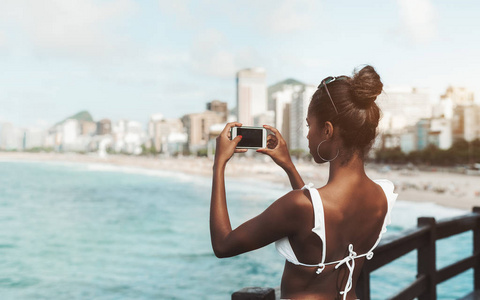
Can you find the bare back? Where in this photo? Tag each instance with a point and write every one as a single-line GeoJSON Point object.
{"type": "Point", "coordinates": [354, 214]}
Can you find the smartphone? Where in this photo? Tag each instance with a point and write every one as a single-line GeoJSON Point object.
{"type": "Point", "coordinates": [252, 137]}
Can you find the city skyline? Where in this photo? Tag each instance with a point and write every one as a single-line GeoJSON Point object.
{"type": "Point", "coordinates": [410, 122]}
{"type": "Point", "coordinates": [434, 101]}
{"type": "Point", "coordinates": [126, 60]}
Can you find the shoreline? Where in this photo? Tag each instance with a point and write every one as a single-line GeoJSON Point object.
{"type": "Point", "coordinates": [446, 189]}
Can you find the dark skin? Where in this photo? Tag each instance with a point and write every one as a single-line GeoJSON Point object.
{"type": "Point", "coordinates": [354, 207]}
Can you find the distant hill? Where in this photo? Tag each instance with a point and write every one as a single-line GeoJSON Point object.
{"type": "Point", "coordinates": [277, 87]}
{"type": "Point", "coordinates": [285, 82]}
{"type": "Point", "coordinates": [80, 116]}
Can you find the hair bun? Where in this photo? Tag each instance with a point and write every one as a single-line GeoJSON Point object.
{"type": "Point", "coordinates": [367, 86]}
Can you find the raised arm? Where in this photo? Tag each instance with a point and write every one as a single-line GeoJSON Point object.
{"type": "Point", "coordinates": [282, 218]}
{"type": "Point", "coordinates": [220, 225]}
{"type": "Point", "coordinates": [277, 149]}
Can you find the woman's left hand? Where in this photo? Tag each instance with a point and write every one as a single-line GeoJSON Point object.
{"type": "Point", "coordinates": [277, 148]}
{"type": "Point", "coordinates": [225, 146]}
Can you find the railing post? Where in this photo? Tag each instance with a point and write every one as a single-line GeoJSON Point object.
{"type": "Point", "coordinates": [426, 259]}
{"type": "Point", "coordinates": [476, 251]}
{"type": "Point", "coordinates": [363, 284]}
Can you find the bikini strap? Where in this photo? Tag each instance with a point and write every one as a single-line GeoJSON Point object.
{"type": "Point", "coordinates": [319, 225]}
{"type": "Point", "coordinates": [349, 261]}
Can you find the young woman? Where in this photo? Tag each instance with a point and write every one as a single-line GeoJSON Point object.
{"type": "Point", "coordinates": [324, 234]}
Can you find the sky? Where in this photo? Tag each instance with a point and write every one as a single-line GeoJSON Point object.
{"type": "Point", "coordinates": [125, 59]}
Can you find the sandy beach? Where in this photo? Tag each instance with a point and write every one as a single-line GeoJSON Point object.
{"type": "Point", "coordinates": [442, 188]}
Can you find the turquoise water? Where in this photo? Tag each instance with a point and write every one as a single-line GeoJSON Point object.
{"type": "Point", "coordinates": [79, 231]}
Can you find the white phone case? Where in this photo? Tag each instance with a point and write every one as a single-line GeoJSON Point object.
{"type": "Point", "coordinates": [264, 136]}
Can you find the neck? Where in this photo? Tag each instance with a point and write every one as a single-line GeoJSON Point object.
{"type": "Point", "coordinates": [354, 168]}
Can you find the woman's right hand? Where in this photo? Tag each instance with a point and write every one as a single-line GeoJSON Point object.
{"type": "Point", "coordinates": [276, 148]}
{"type": "Point", "coordinates": [226, 147]}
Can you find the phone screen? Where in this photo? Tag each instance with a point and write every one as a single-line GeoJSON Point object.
{"type": "Point", "coordinates": [251, 137]}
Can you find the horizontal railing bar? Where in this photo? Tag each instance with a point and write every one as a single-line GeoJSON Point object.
{"type": "Point", "coordinates": [415, 289]}
{"type": "Point", "coordinates": [396, 246]}
{"type": "Point", "coordinates": [456, 225]}
{"type": "Point", "coordinates": [455, 268]}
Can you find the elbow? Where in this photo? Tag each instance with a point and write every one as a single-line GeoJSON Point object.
{"type": "Point", "coordinates": [221, 252]}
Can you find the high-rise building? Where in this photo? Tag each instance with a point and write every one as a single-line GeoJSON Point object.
{"type": "Point", "coordinates": [284, 85]}
{"type": "Point", "coordinates": [298, 114]}
{"type": "Point", "coordinates": [68, 133]}
{"type": "Point", "coordinates": [197, 126]}
{"type": "Point", "coordinates": [441, 132]}
{"type": "Point", "coordinates": [251, 94]}
{"type": "Point", "coordinates": [432, 131]}
{"type": "Point", "coordinates": [11, 138]}
{"type": "Point", "coordinates": [220, 107]}
{"type": "Point", "coordinates": [161, 130]}
{"type": "Point", "coordinates": [88, 128]}
{"type": "Point", "coordinates": [104, 127]}
{"type": "Point", "coordinates": [280, 97]}
{"type": "Point", "coordinates": [444, 108]}
{"type": "Point", "coordinates": [70, 130]}
{"type": "Point", "coordinates": [403, 107]}
{"type": "Point", "coordinates": [408, 141]}
{"type": "Point", "coordinates": [422, 130]}
{"type": "Point", "coordinates": [128, 137]}
{"type": "Point", "coordinates": [466, 122]}
{"type": "Point", "coordinates": [34, 137]}
{"type": "Point", "coordinates": [154, 132]}
{"type": "Point", "coordinates": [459, 95]}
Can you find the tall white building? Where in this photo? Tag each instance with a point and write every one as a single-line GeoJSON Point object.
{"type": "Point", "coordinates": [128, 136]}
{"type": "Point", "coordinates": [70, 132]}
{"type": "Point", "coordinates": [280, 97]}
{"type": "Point", "coordinates": [66, 136]}
{"type": "Point", "coordinates": [442, 129]}
{"type": "Point", "coordinates": [7, 136]}
{"type": "Point", "coordinates": [251, 95]}
{"type": "Point", "coordinates": [11, 138]}
{"type": "Point", "coordinates": [154, 132]}
{"type": "Point", "coordinates": [403, 107]}
{"type": "Point", "coordinates": [298, 114]}
{"type": "Point", "coordinates": [444, 108]}
{"type": "Point", "coordinates": [34, 137]}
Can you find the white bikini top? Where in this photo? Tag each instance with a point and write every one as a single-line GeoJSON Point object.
{"type": "Point", "coordinates": [285, 248]}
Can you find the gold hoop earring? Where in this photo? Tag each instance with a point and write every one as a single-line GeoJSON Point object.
{"type": "Point", "coordinates": [327, 160]}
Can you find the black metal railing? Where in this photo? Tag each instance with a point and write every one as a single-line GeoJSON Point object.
{"type": "Point", "coordinates": [422, 239]}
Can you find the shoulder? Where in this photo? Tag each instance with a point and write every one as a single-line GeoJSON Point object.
{"type": "Point", "coordinates": [388, 188]}
{"type": "Point", "coordinates": [295, 202]}
{"type": "Point", "coordinates": [385, 183]}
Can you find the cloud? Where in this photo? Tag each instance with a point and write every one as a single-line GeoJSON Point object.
{"type": "Point", "coordinates": [166, 60]}
{"type": "Point", "coordinates": [210, 56]}
{"type": "Point", "coordinates": [180, 8]}
{"type": "Point", "coordinates": [76, 27]}
{"type": "Point", "coordinates": [419, 19]}
{"type": "Point", "coordinates": [213, 55]}
{"type": "Point", "coordinates": [266, 16]}
{"type": "Point", "coordinates": [290, 16]}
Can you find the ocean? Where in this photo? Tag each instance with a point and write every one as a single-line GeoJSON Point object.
{"type": "Point", "coordinates": [93, 231]}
